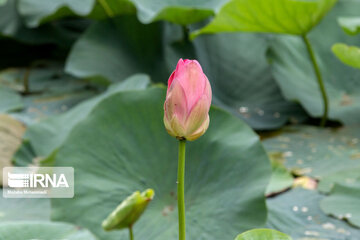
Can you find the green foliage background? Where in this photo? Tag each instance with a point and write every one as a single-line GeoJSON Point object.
{"type": "Point", "coordinates": [82, 84]}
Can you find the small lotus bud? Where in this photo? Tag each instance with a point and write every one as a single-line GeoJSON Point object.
{"type": "Point", "coordinates": [188, 100]}
{"type": "Point", "coordinates": [129, 211]}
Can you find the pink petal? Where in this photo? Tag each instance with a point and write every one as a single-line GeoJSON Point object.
{"type": "Point", "coordinates": [191, 78]}
{"type": "Point", "coordinates": [200, 131]}
{"type": "Point", "coordinates": [197, 115]}
{"type": "Point", "coordinates": [175, 103]}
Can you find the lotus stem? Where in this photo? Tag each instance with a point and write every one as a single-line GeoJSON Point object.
{"type": "Point", "coordinates": [131, 234]}
{"type": "Point", "coordinates": [180, 189]}
{"type": "Point", "coordinates": [319, 80]}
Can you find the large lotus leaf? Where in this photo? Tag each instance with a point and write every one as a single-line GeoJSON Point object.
{"type": "Point", "coordinates": [10, 100]}
{"type": "Point", "coordinates": [128, 149]}
{"type": "Point", "coordinates": [261, 234]}
{"type": "Point", "coordinates": [351, 25]}
{"type": "Point", "coordinates": [26, 209]}
{"type": "Point", "coordinates": [278, 16]}
{"type": "Point", "coordinates": [344, 202]}
{"type": "Point", "coordinates": [295, 75]}
{"type": "Point", "coordinates": [43, 230]}
{"type": "Point", "coordinates": [176, 11]}
{"type": "Point", "coordinates": [298, 214]}
{"type": "Point", "coordinates": [115, 49]}
{"type": "Point", "coordinates": [349, 55]}
{"type": "Point", "coordinates": [46, 136]}
{"type": "Point", "coordinates": [316, 151]}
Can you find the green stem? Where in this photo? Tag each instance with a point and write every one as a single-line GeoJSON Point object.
{"type": "Point", "coordinates": [131, 234]}
{"type": "Point", "coordinates": [180, 189]}
{"type": "Point", "coordinates": [106, 8]}
{"type": "Point", "coordinates": [319, 80]}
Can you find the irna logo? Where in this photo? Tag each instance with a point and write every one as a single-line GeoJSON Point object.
{"type": "Point", "coordinates": [38, 182]}
{"type": "Point", "coordinates": [18, 180]}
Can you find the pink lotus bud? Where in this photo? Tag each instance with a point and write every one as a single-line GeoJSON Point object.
{"type": "Point", "coordinates": [188, 101]}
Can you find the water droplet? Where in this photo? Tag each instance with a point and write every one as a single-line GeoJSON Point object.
{"type": "Point", "coordinates": [243, 109]}
{"type": "Point", "coordinates": [304, 209]}
{"type": "Point", "coordinates": [329, 226]}
{"type": "Point", "coordinates": [309, 218]}
{"type": "Point", "coordinates": [295, 208]}
{"type": "Point", "coordinates": [312, 233]}
{"type": "Point", "coordinates": [348, 215]}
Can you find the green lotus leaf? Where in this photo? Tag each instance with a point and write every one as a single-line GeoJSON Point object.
{"type": "Point", "coordinates": [24, 209]}
{"type": "Point", "coordinates": [113, 50]}
{"type": "Point", "coordinates": [176, 11]}
{"type": "Point", "coordinates": [315, 152]}
{"type": "Point", "coordinates": [227, 171]}
{"type": "Point", "coordinates": [349, 55]}
{"type": "Point", "coordinates": [10, 100]}
{"type": "Point", "coordinates": [297, 213]}
{"type": "Point", "coordinates": [351, 25]}
{"type": "Point", "coordinates": [20, 230]}
{"type": "Point", "coordinates": [346, 176]}
{"type": "Point", "coordinates": [281, 177]}
{"type": "Point", "coordinates": [295, 76]}
{"type": "Point", "coordinates": [278, 16]}
{"type": "Point", "coordinates": [344, 202]}
{"type": "Point", "coordinates": [129, 211]}
{"type": "Point", "coordinates": [262, 234]}
{"type": "Point", "coordinates": [44, 138]}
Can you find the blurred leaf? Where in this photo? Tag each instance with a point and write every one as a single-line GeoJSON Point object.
{"type": "Point", "coordinates": [46, 136]}
{"type": "Point", "coordinates": [176, 11]}
{"type": "Point", "coordinates": [109, 168]}
{"type": "Point", "coordinates": [29, 209]}
{"type": "Point", "coordinates": [50, 92]}
{"type": "Point", "coordinates": [59, 33]}
{"type": "Point", "coordinates": [116, 49]}
{"type": "Point", "coordinates": [297, 213]}
{"type": "Point", "coordinates": [36, 12]}
{"type": "Point", "coordinates": [281, 178]}
{"type": "Point", "coordinates": [263, 234]}
{"type": "Point", "coordinates": [344, 203]}
{"type": "Point", "coordinates": [238, 86]}
{"type": "Point", "coordinates": [349, 55]}
{"type": "Point", "coordinates": [315, 152]}
{"type": "Point", "coordinates": [9, 100]}
{"type": "Point", "coordinates": [351, 25]}
{"type": "Point", "coordinates": [277, 16]}
{"type": "Point", "coordinates": [238, 71]}
{"type": "Point", "coordinates": [347, 176]}
{"type": "Point", "coordinates": [295, 75]}
{"type": "Point", "coordinates": [11, 132]}
{"type": "Point", "coordinates": [42, 230]}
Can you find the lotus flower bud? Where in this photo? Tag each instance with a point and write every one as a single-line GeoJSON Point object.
{"type": "Point", "coordinates": [188, 100]}
{"type": "Point", "coordinates": [129, 211]}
